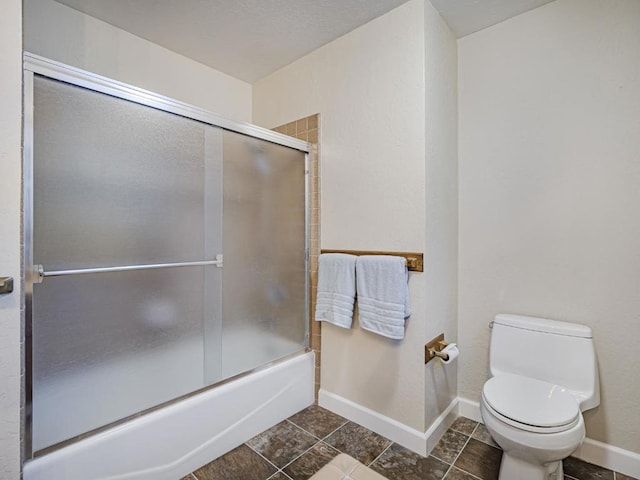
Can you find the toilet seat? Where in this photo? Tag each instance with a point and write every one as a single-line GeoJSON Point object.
{"type": "Point", "coordinates": [530, 404]}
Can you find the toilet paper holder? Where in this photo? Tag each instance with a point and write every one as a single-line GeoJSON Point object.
{"type": "Point", "coordinates": [434, 349]}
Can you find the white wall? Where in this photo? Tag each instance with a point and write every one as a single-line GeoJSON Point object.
{"type": "Point", "coordinates": [549, 190]}
{"type": "Point", "coordinates": [58, 32]}
{"type": "Point", "coordinates": [441, 206]}
{"type": "Point", "coordinates": [389, 182]}
{"type": "Point", "coordinates": [368, 87]}
{"type": "Point", "coordinates": [10, 181]}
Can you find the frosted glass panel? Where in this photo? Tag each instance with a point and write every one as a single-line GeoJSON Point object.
{"type": "Point", "coordinates": [264, 283]}
{"type": "Point", "coordinates": [117, 183]}
{"type": "Point", "coordinates": [108, 345]}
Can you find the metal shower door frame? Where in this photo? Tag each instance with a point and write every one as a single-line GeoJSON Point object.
{"type": "Point", "coordinates": [37, 65]}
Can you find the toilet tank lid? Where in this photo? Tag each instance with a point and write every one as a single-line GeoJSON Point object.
{"type": "Point", "coordinates": [544, 325]}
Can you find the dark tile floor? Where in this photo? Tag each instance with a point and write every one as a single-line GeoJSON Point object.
{"type": "Point", "coordinates": [298, 447]}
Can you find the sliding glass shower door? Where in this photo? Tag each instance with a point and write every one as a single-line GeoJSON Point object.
{"type": "Point", "coordinates": [264, 287]}
{"type": "Point", "coordinates": [134, 212]}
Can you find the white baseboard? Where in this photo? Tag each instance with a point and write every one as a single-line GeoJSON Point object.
{"type": "Point", "coordinates": [469, 409]}
{"type": "Point", "coordinates": [609, 456]}
{"type": "Point", "coordinates": [441, 424]}
{"type": "Point", "coordinates": [592, 451]}
{"type": "Point", "coordinates": [416, 441]}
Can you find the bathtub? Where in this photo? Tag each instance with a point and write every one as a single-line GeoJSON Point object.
{"type": "Point", "coordinates": [168, 443]}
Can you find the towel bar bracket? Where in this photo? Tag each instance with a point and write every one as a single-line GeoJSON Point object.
{"type": "Point", "coordinates": [414, 260]}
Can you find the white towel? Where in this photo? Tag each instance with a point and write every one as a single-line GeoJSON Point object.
{"type": "Point", "coordinates": [336, 289]}
{"type": "Point", "coordinates": [383, 294]}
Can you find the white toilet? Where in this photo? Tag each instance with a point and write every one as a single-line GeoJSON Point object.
{"type": "Point", "coordinates": [543, 376]}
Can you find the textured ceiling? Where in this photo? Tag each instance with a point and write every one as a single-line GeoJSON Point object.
{"type": "Point", "coordinates": [249, 39]}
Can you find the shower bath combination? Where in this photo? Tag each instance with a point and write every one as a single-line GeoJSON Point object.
{"type": "Point", "coordinates": [166, 251]}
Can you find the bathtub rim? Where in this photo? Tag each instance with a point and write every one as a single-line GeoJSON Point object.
{"type": "Point", "coordinates": [254, 403]}
{"type": "Point", "coordinates": [122, 421]}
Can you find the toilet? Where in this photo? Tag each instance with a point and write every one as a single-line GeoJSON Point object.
{"type": "Point", "coordinates": [543, 376]}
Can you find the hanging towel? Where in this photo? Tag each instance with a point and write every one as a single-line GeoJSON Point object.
{"type": "Point", "coordinates": [336, 289]}
{"type": "Point", "coordinates": [383, 294]}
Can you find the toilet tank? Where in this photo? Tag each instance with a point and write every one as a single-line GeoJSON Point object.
{"type": "Point", "coordinates": [561, 353]}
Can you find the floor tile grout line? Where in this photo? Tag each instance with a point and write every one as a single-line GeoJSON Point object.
{"type": "Point", "coordinates": [381, 453]}
{"type": "Point", "coordinates": [281, 469]}
{"type": "Point", "coordinates": [346, 421]}
{"type": "Point", "coordinates": [494, 445]}
{"type": "Point", "coordinates": [265, 458]}
{"type": "Point", "coordinates": [441, 459]}
{"type": "Point", "coordinates": [465, 472]}
{"type": "Point", "coordinates": [302, 429]}
{"type": "Point", "coordinates": [319, 438]}
{"type": "Point", "coordinates": [339, 428]}
{"type": "Point", "coordinates": [469, 436]}
{"type": "Point", "coordinates": [462, 449]}
{"type": "Point", "coordinates": [480, 440]}
{"type": "Point", "coordinates": [472, 431]}
{"type": "Point", "coordinates": [323, 440]}
{"type": "Point", "coordinates": [459, 453]}
{"type": "Point", "coordinates": [310, 448]}
{"type": "Point", "coordinates": [276, 473]}
{"type": "Point", "coordinates": [297, 457]}
{"type": "Point", "coordinates": [357, 424]}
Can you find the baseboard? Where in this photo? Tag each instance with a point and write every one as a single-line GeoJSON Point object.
{"type": "Point", "coordinates": [609, 456]}
{"type": "Point", "coordinates": [416, 441]}
{"type": "Point", "coordinates": [592, 451]}
{"type": "Point", "coordinates": [469, 409]}
{"type": "Point", "coordinates": [441, 424]}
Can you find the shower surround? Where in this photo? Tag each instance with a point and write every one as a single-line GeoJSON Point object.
{"type": "Point", "coordinates": [166, 253]}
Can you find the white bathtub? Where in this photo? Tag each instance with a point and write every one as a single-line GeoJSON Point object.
{"type": "Point", "coordinates": [171, 442]}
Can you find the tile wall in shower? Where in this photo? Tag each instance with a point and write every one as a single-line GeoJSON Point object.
{"type": "Point", "coordinates": [308, 129]}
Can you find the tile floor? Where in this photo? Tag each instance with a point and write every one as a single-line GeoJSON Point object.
{"type": "Point", "coordinates": [298, 447]}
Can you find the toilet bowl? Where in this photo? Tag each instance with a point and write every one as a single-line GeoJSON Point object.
{"type": "Point", "coordinates": [531, 451]}
{"type": "Point", "coordinates": [544, 375]}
